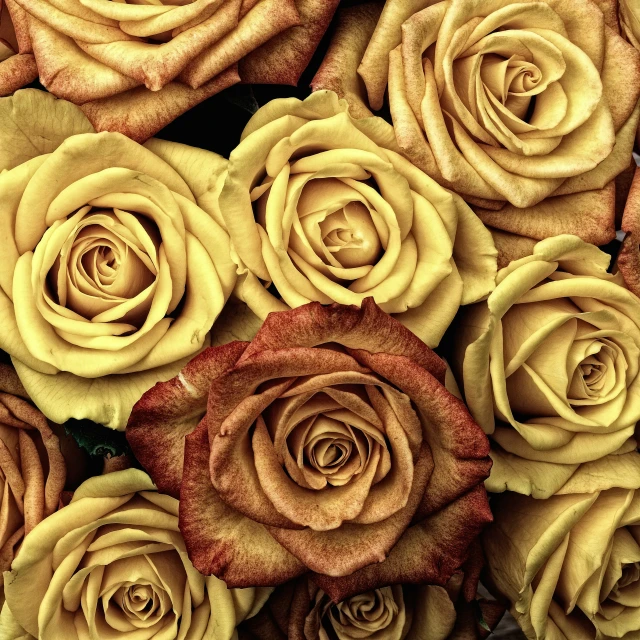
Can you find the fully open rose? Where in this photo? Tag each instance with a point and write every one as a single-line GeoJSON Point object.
{"type": "Point", "coordinates": [550, 365]}
{"type": "Point", "coordinates": [570, 565]}
{"type": "Point", "coordinates": [114, 267]}
{"type": "Point", "coordinates": [113, 564]}
{"type": "Point", "coordinates": [17, 64]}
{"type": "Point", "coordinates": [301, 611]}
{"type": "Point", "coordinates": [326, 208]}
{"type": "Point", "coordinates": [502, 101]}
{"type": "Point", "coordinates": [138, 65]}
{"type": "Point", "coordinates": [32, 468]}
{"type": "Point", "coordinates": [329, 445]}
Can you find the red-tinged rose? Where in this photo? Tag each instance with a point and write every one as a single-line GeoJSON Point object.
{"type": "Point", "coordinates": [329, 446]}
{"type": "Point", "coordinates": [17, 64]}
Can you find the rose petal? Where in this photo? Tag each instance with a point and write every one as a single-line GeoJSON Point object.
{"type": "Point", "coordinates": [17, 71]}
{"type": "Point", "coordinates": [628, 261]}
{"type": "Point", "coordinates": [170, 411]}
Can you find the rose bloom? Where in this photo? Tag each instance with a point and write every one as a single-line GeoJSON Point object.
{"type": "Point", "coordinates": [550, 365]}
{"type": "Point", "coordinates": [114, 266]}
{"type": "Point", "coordinates": [502, 101]}
{"type": "Point", "coordinates": [326, 208]}
{"type": "Point", "coordinates": [135, 66]}
{"type": "Point", "coordinates": [329, 445]}
{"type": "Point", "coordinates": [113, 564]}
{"type": "Point", "coordinates": [301, 611]}
{"type": "Point", "coordinates": [570, 565]}
{"type": "Point", "coordinates": [32, 468]}
{"type": "Point", "coordinates": [628, 261]}
{"type": "Point", "coordinates": [17, 65]}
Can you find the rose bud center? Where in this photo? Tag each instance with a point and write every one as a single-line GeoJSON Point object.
{"type": "Point", "coordinates": [364, 615]}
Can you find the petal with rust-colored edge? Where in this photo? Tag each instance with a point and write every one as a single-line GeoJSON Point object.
{"type": "Point", "coordinates": [70, 73]}
{"type": "Point", "coordinates": [339, 69]}
{"type": "Point", "coordinates": [20, 21]}
{"type": "Point", "coordinates": [459, 447]}
{"type": "Point", "coordinates": [429, 551]}
{"type": "Point", "coordinates": [264, 21]}
{"type": "Point", "coordinates": [589, 215]}
{"type": "Point", "coordinates": [628, 262]}
{"type": "Point", "coordinates": [16, 72]}
{"type": "Point", "coordinates": [352, 546]}
{"type": "Point", "coordinates": [233, 408]}
{"type": "Point", "coordinates": [367, 327]}
{"type": "Point", "coordinates": [220, 540]}
{"type": "Point", "coordinates": [282, 59]}
{"type": "Point", "coordinates": [140, 113]}
{"type": "Point", "coordinates": [511, 246]}
{"type": "Point", "coordinates": [170, 410]}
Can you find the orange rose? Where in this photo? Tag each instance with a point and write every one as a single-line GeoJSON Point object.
{"type": "Point", "coordinates": [329, 445]}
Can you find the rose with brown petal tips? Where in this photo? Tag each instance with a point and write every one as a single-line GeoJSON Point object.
{"type": "Point", "coordinates": [528, 110]}
{"type": "Point", "coordinates": [329, 444]}
{"type": "Point", "coordinates": [299, 610]}
{"type": "Point", "coordinates": [32, 468]}
{"type": "Point", "coordinates": [152, 61]}
{"type": "Point", "coordinates": [17, 65]}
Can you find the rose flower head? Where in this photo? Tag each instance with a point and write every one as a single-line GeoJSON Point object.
{"type": "Point", "coordinates": [570, 565]}
{"type": "Point", "coordinates": [113, 564]}
{"type": "Point", "coordinates": [324, 207]}
{"type": "Point", "coordinates": [550, 365]}
{"type": "Point", "coordinates": [508, 103]}
{"type": "Point", "coordinates": [32, 468]}
{"type": "Point", "coordinates": [300, 611]}
{"type": "Point", "coordinates": [114, 267]}
{"type": "Point", "coordinates": [137, 65]}
{"type": "Point", "coordinates": [329, 445]}
{"type": "Point", "coordinates": [17, 64]}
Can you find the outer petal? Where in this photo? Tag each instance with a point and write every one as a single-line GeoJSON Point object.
{"type": "Point", "coordinates": [16, 72]}
{"type": "Point", "coordinates": [219, 539]}
{"type": "Point", "coordinates": [338, 71]}
{"type": "Point", "coordinates": [282, 59]}
{"type": "Point", "coordinates": [140, 113]}
{"type": "Point", "coordinates": [168, 412]}
{"type": "Point", "coordinates": [629, 257]}
{"type": "Point", "coordinates": [34, 123]}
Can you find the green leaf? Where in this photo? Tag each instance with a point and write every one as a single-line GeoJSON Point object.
{"type": "Point", "coordinates": [97, 440]}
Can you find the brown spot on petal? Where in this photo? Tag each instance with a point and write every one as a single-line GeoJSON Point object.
{"type": "Point", "coordinates": [140, 113]}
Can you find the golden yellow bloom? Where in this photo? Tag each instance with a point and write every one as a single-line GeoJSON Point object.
{"type": "Point", "coordinates": [326, 208]}
{"type": "Point", "coordinates": [503, 101]}
{"type": "Point", "coordinates": [570, 565]}
{"type": "Point", "coordinates": [115, 266]}
{"type": "Point", "coordinates": [551, 366]}
{"type": "Point", "coordinates": [113, 564]}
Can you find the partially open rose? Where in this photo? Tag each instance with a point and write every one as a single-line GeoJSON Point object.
{"type": "Point", "coordinates": [329, 444]}
{"type": "Point", "coordinates": [32, 468]}
{"type": "Point", "coordinates": [326, 208]}
{"type": "Point", "coordinates": [113, 274]}
{"type": "Point", "coordinates": [570, 565]}
{"type": "Point", "coordinates": [17, 65]}
{"type": "Point", "coordinates": [502, 101]}
{"type": "Point", "coordinates": [113, 564]}
{"type": "Point", "coordinates": [140, 64]}
{"type": "Point", "coordinates": [551, 365]}
{"type": "Point", "coordinates": [301, 611]}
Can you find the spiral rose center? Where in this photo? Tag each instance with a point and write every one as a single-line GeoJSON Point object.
{"type": "Point", "coordinates": [595, 375]}
{"type": "Point", "coordinates": [364, 614]}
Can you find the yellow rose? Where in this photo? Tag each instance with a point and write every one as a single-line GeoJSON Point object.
{"type": "Point", "coordinates": [570, 565]}
{"type": "Point", "coordinates": [32, 468]}
{"type": "Point", "coordinates": [505, 102]}
{"type": "Point", "coordinates": [136, 65]}
{"type": "Point", "coordinates": [115, 264]}
{"type": "Point", "coordinates": [17, 65]}
{"type": "Point", "coordinates": [113, 564]}
{"type": "Point", "coordinates": [326, 208]}
{"type": "Point", "coordinates": [551, 366]}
